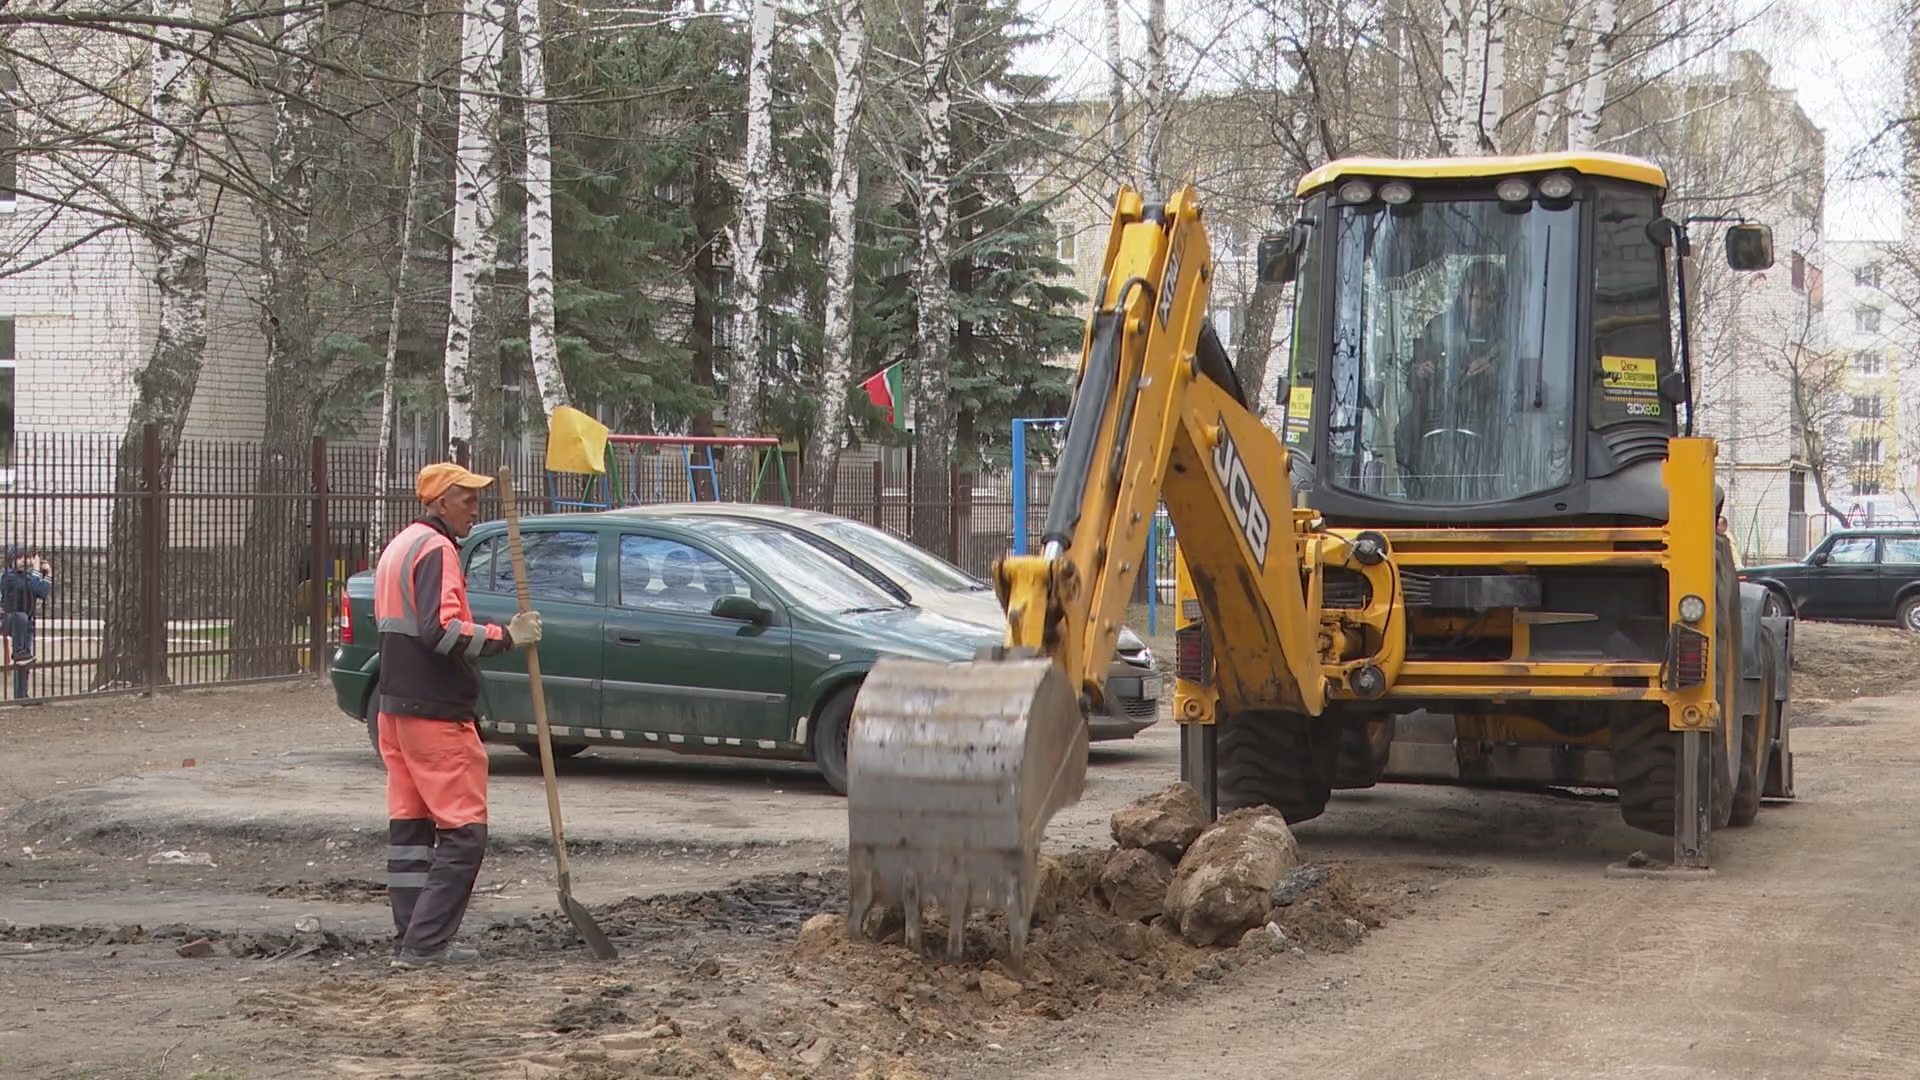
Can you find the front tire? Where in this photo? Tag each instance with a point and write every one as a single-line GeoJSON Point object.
{"type": "Point", "coordinates": [560, 750]}
{"type": "Point", "coordinates": [1365, 742]}
{"type": "Point", "coordinates": [830, 737]}
{"type": "Point", "coordinates": [1278, 759]}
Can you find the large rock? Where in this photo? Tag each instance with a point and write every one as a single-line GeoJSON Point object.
{"type": "Point", "coordinates": [1224, 886]}
{"type": "Point", "coordinates": [1164, 822]}
{"type": "Point", "coordinates": [1134, 884]}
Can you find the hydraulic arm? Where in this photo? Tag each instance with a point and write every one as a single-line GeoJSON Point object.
{"type": "Point", "coordinates": [955, 770]}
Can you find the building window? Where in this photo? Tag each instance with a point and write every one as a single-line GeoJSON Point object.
{"type": "Point", "coordinates": [6, 393]}
{"type": "Point", "coordinates": [1868, 362]}
{"type": "Point", "coordinates": [1867, 320]}
{"type": "Point", "coordinates": [1868, 407]}
{"type": "Point", "coordinates": [1799, 272]}
{"type": "Point", "coordinates": [9, 141]}
{"type": "Point", "coordinates": [1866, 451]}
{"type": "Point", "coordinates": [1868, 276]}
{"type": "Point", "coordinates": [1065, 245]}
{"type": "Point", "coordinates": [1866, 482]}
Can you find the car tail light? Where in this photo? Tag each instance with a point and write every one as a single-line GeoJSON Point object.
{"type": "Point", "coordinates": [1193, 653]}
{"type": "Point", "coordinates": [346, 619]}
{"type": "Point", "coordinates": [1687, 657]}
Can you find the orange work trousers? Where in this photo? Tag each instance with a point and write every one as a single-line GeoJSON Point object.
{"type": "Point", "coordinates": [436, 769]}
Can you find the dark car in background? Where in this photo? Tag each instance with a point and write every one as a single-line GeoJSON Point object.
{"type": "Point", "coordinates": [697, 634]}
{"type": "Point", "coordinates": [1868, 575]}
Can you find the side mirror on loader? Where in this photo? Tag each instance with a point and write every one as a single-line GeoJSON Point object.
{"type": "Point", "coordinates": [1749, 247]}
{"type": "Point", "coordinates": [1279, 255]}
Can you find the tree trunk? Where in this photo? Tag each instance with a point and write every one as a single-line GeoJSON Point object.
{"type": "Point", "coordinates": [409, 220]}
{"type": "Point", "coordinates": [933, 286]}
{"type": "Point", "coordinates": [1493, 97]}
{"type": "Point", "coordinates": [542, 346]}
{"type": "Point", "coordinates": [163, 389]}
{"type": "Point", "coordinates": [277, 556]}
{"type": "Point", "coordinates": [1453, 73]}
{"type": "Point", "coordinates": [1155, 126]}
{"type": "Point", "coordinates": [836, 376]}
{"type": "Point", "coordinates": [1266, 311]}
{"type": "Point", "coordinates": [1473, 79]}
{"type": "Point", "coordinates": [745, 375]}
{"type": "Point", "coordinates": [475, 197]}
{"type": "Point", "coordinates": [1584, 126]}
{"type": "Point", "coordinates": [1116, 98]}
{"type": "Point", "coordinates": [1553, 92]}
{"type": "Point", "coordinates": [709, 222]}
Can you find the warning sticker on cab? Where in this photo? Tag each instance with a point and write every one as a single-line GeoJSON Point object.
{"type": "Point", "coordinates": [1629, 378]}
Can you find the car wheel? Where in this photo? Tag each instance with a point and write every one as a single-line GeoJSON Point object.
{"type": "Point", "coordinates": [1776, 603]}
{"type": "Point", "coordinates": [560, 750]}
{"type": "Point", "coordinates": [1909, 614]}
{"type": "Point", "coordinates": [830, 737]}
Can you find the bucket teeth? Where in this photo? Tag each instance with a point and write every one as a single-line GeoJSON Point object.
{"type": "Point", "coordinates": [953, 772]}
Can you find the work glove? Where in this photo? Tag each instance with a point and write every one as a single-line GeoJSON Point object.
{"type": "Point", "coordinates": [524, 628]}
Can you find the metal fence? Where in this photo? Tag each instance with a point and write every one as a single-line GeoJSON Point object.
{"type": "Point", "coordinates": [201, 569]}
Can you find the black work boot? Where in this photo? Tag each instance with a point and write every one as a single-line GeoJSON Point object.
{"type": "Point", "coordinates": [441, 957]}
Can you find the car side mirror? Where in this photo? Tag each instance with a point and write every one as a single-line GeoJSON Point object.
{"type": "Point", "coordinates": [1749, 247]}
{"type": "Point", "coordinates": [1279, 255]}
{"type": "Point", "coordinates": [1819, 558]}
{"type": "Point", "coordinates": [742, 609]}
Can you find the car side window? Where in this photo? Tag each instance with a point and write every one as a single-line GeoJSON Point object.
{"type": "Point", "coordinates": [1852, 551]}
{"type": "Point", "coordinates": [666, 575]}
{"type": "Point", "coordinates": [1902, 549]}
{"type": "Point", "coordinates": [561, 565]}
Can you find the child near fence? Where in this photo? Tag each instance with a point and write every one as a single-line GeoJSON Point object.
{"type": "Point", "coordinates": [26, 581]}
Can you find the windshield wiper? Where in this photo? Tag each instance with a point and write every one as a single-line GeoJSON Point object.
{"type": "Point", "coordinates": [871, 609]}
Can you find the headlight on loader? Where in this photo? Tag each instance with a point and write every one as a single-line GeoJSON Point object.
{"type": "Point", "coordinates": [1692, 608]}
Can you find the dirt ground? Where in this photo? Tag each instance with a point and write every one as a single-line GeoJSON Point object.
{"type": "Point", "coordinates": [1434, 931]}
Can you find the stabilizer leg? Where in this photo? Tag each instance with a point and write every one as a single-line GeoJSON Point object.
{"type": "Point", "coordinates": [1200, 764]}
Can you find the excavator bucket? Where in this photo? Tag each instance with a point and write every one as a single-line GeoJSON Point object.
{"type": "Point", "coordinates": [953, 771]}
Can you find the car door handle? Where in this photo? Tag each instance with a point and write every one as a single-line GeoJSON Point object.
{"type": "Point", "coordinates": [629, 639]}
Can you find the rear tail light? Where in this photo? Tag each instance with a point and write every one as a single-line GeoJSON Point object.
{"type": "Point", "coordinates": [1193, 653]}
{"type": "Point", "coordinates": [346, 619]}
{"type": "Point", "coordinates": [1687, 658]}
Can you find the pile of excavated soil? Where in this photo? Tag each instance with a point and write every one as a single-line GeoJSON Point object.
{"type": "Point", "coordinates": [1837, 662]}
{"type": "Point", "coordinates": [762, 980]}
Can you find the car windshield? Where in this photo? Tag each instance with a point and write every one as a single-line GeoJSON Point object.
{"type": "Point", "coordinates": [880, 546]}
{"type": "Point", "coordinates": [803, 571]}
{"type": "Point", "coordinates": [1452, 358]}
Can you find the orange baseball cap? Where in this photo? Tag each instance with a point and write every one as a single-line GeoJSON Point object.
{"type": "Point", "coordinates": [437, 479]}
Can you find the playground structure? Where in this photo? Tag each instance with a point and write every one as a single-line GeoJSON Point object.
{"type": "Point", "coordinates": [643, 469]}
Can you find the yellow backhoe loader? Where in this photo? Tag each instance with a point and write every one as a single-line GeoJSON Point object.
{"type": "Point", "coordinates": [1482, 551]}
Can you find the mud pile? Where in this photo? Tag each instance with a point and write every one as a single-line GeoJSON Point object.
{"type": "Point", "coordinates": [1835, 662]}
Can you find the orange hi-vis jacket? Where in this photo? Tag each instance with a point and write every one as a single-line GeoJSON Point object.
{"type": "Point", "coordinates": [430, 645]}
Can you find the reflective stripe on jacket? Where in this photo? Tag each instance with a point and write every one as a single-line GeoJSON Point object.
{"type": "Point", "coordinates": [430, 644]}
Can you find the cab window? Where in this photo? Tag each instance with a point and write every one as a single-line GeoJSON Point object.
{"type": "Point", "coordinates": [1902, 549]}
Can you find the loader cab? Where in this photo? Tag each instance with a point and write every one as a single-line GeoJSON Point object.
{"type": "Point", "coordinates": [1487, 339]}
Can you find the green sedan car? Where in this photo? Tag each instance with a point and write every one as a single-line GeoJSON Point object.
{"type": "Point", "coordinates": [701, 635]}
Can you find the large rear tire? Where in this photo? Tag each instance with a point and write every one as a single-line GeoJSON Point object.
{"type": "Point", "coordinates": [1278, 759]}
{"type": "Point", "coordinates": [1365, 742]}
{"type": "Point", "coordinates": [1758, 741]}
{"type": "Point", "coordinates": [1646, 769]}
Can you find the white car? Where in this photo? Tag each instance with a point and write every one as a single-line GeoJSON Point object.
{"type": "Point", "coordinates": [925, 580]}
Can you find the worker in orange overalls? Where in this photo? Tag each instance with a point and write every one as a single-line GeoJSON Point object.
{"type": "Point", "coordinates": [430, 646]}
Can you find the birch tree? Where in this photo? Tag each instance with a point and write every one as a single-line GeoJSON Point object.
{"type": "Point", "coordinates": [836, 375]}
{"type": "Point", "coordinates": [272, 556]}
{"type": "Point", "coordinates": [748, 236]}
{"type": "Point", "coordinates": [164, 386]}
{"type": "Point", "coordinates": [933, 285]}
{"type": "Point", "coordinates": [542, 346]}
{"type": "Point", "coordinates": [1116, 96]}
{"type": "Point", "coordinates": [476, 196]}
{"type": "Point", "coordinates": [1453, 73]}
{"type": "Point", "coordinates": [409, 224]}
{"type": "Point", "coordinates": [1583, 128]}
{"type": "Point", "coordinates": [1551, 107]}
{"type": "Point", "coordinates": [1153, 129]}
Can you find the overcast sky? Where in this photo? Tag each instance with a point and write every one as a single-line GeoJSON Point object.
{"type": "Point", "coordinates": [1837, 55]}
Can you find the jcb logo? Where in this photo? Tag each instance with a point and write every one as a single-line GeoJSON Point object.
{"type": "Point", "coordinates": [1231, 472]}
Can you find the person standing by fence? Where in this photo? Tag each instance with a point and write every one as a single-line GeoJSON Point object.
{"type": "Point", "coordinates": [430, 647]}
{"type": "Point", "coordinates": [26, 581]}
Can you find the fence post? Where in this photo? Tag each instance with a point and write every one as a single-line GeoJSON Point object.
{"type": "Point", "coordinates": [318, 562]}
{"type": "Point", "coordinates": [1017, 483]}
{"type": "Point", "coordinates": [879, 494]}
{"type": "Point", "coordinates": [957, 496]}
{"type": "Point", "coordinates": [152, 537]}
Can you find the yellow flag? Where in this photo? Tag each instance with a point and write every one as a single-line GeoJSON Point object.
{"type": "Point", "coordinates": [576, 442]}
